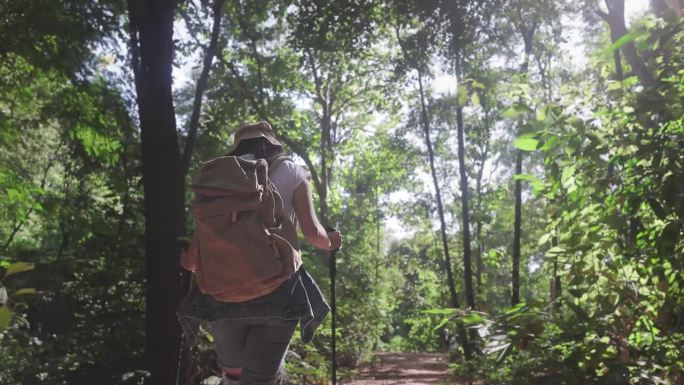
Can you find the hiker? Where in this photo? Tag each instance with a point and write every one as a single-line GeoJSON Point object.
{"type": "Point", "coordinates": [252, 334]}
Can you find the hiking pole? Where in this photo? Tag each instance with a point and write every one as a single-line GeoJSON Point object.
{"type": "Point", "coordinates": [333, 305]}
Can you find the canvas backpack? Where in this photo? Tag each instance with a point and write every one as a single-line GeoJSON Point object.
{"type": "Point", "coordinates": [247, 247]}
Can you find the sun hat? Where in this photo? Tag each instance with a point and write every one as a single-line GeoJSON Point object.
{"type": "Point", "coordinates": [254, 130]}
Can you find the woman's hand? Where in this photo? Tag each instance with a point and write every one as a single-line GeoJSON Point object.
{"type": "Point", "coordinates": [335, 238]}
{"type": "Point", "coordinates": [308, 222]}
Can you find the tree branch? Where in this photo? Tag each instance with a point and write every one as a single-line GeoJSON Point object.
{"type": "Point", "coordinates": [209, 55]}
{"type": "Point", "coordinates": [43, 180]}
{"type": "Point", "coordinates": [253, 45]}
{"type": "Point", "coordinates": [261, 113]}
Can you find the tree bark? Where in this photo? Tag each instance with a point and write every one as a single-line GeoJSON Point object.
{"type": "Point", "coordinates": [163, 183]}
{"type": "Point", "coordinates": [478, 190]}
{"type": "Point", "coordinates": [323, 98]}
{"type": "Point", "coordinates": [467, 265]}
{"type": "Point", "coordinates": [438, 196]}
{"type": "Point", "coordinates": [515, 294]}
{"type": "Point", "coordinates": [618, 65]}
{"type": "Point", "coordinates": [528, 40]}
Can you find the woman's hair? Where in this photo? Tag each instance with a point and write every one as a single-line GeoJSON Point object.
{"type": "Point", "coordinates": [260, 147]}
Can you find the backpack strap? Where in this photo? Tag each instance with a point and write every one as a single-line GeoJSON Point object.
{"type": "Point", "coordinates": [277, 161]}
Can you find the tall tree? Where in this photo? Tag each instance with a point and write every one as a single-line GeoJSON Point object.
{"type": "Point", "coordinates": [527, 32]}
{"type": "Point", "coordinates": [210, 52]}
{"type": "Point", "coordinates": [416, 48]}
{"type": "Point", "coordinates": [482, 139]}
{"type": "Point", "coordinates": [462, 22]}
{"type": "Point", "coordinates": [335, 40]}
{"type": "Point", "coordinates": [152, 50]}
{"type": "Point", "coordinates": [465, 212]}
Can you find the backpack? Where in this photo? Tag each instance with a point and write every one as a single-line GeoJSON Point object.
{"type": "Point", "coordinates": [246, 245]}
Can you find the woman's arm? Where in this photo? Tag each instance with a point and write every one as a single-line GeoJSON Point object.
{"type": "Point", "coordinates": [311, 227]}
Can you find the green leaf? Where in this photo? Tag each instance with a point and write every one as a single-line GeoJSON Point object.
{"type": "Point", "coordinates": [622, 41]}
{"type": "Point", "coordinates": [556, 250]}
{"type": "Point", "coordinates": [475, 99]}
{"type": "Point", "coordinates": [511, 113]}
{"type": "Point", "coordinates": [26, 290]}
{"type": "Point", "coordinates": [444, 311]}
{"type": "Point", "coordinates": [5, 317]}
{"type": "Point", "coordinates": [13, 195]}
{"type": "Point", "coordinates": [541, 114]}
{"type": "Point", "coordinates": [472, 319]}
{"type": "Point", "coordinates": [516, 308]}
{"type": "Point", "coordinates": [441, 324]}
{"type": "Point", "coordinates": [568, 172]}
{"type": "Point", "coordinates": [462, 95]}
{"type": "Point", "coordinates": [536, 183]}
{"type": "Point", "coordinates": [476, 84]}
{"type": "Point", "coordinates": [18, 267]}
{"type": "Point", "coordinates": [526, 144]}
{"type": "Point", "coordinates": [544, 238]}
{"type": "Point", "coordinates": [614, 85]}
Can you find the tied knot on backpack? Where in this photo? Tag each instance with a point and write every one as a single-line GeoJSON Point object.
{"type": "Point", "coordinates": [246, 245]}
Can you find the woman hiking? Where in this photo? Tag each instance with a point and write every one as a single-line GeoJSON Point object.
{"type": "Point", "coordinates": [252, 323]}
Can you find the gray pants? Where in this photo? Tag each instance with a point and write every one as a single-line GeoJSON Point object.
{"type": "Point", "coordinates": [257, 345]}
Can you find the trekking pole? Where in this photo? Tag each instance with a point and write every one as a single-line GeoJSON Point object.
{"type": "Point", "coordinates": [333, 305]}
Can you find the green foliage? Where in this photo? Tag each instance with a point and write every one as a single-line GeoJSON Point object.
{"type": "Point", "coordinates": [7, 303]}
{"type": "Point", "coordinates": [526, 144]}
{"type": "Point", "coordinates": [615, 233]}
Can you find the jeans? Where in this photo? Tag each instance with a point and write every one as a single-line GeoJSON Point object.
{"type": "Point", "coordinates": [257, 345]}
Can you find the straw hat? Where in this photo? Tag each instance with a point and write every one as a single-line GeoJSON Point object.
{"type": "Point", "coordinates": [255, 130]}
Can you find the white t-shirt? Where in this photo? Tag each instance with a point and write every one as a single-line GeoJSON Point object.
{"type": "Point", "coordinates": [287, 177]}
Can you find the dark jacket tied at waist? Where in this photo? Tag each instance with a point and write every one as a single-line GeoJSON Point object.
{"type": "Point", "coordinates": [297, 298]}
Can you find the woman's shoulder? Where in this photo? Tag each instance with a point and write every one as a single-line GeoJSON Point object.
{"type": "Point", "coordinates": [289, 169]}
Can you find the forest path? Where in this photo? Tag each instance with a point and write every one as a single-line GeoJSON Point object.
{"type": "Point", "coordinates": [406, 368]}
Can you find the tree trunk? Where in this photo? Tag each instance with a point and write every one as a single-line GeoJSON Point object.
{"type": "Point", "coordinates": [440, 210]}
{"type": "Point", "coordinates": [467, 267]}
{"type": "Point", "coordinates": [152, 32]}
{"type": "Point", "coordinates": [556, 289]}
{"type": "Point", "coordinates": [668, 9]}
{"type": "Point", "coordinates": [617, 13]}
{"type": "Point", "coordinates": [515, 297]}
{"type": "Point", "coordinates": [618, 28]}
{"type": "Point", "coordinates": [323, 98]}
{"type": "Point", "coordinates": [618, 65]}
{"type": "Point", "coordinates": [478, 257]}
{"type": "Point", "coordinates": [478, 226]}
{"type": "Point", "coordinates": [325, 166]}
{"type": "Point", "coordinates": [438, 196]}
{"type": "Point", "coordinates": [528, 40]}
{"type": "Point", "coordinates": [478, 190]}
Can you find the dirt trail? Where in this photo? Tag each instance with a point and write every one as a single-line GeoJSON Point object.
{"type": "Point", "coordinates": [405, 368]}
